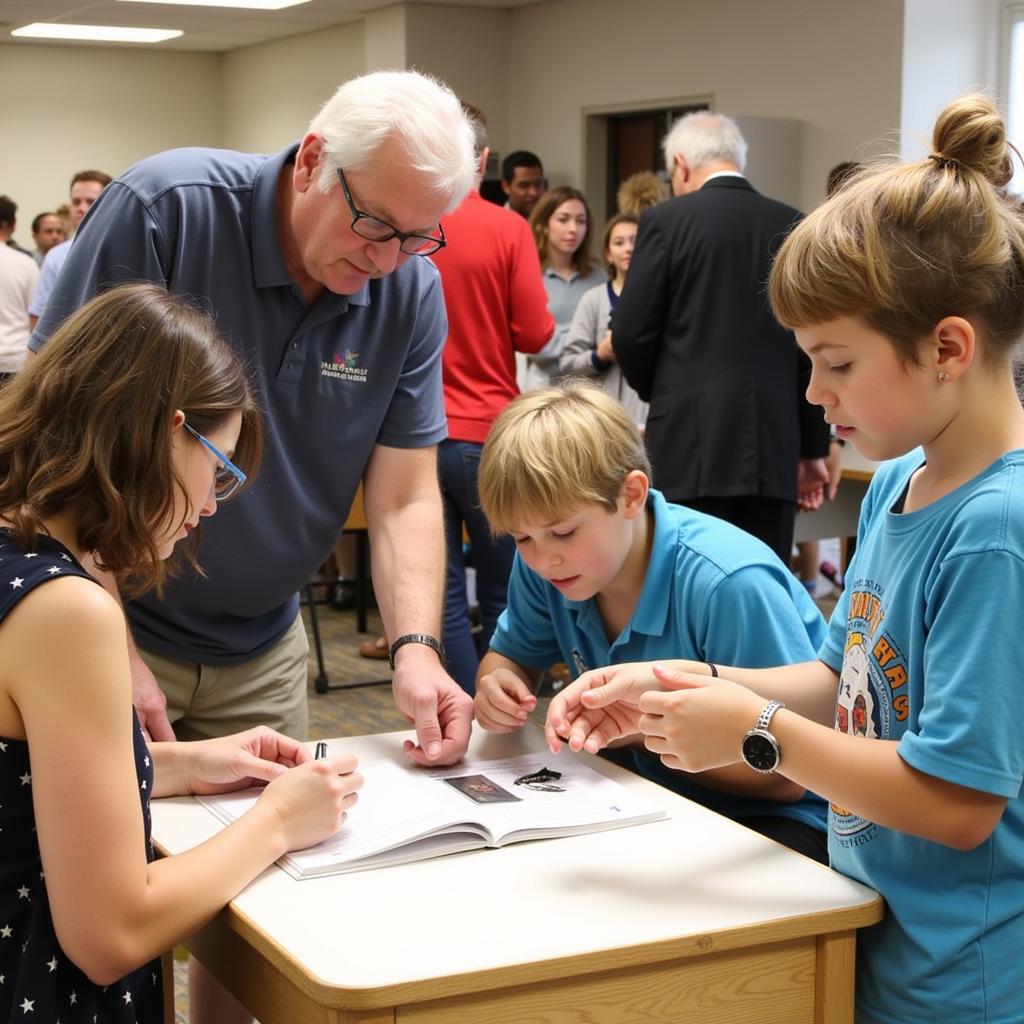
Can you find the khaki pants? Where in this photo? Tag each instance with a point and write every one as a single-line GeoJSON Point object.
{"type": "Point", "coordinates": [204, 701]}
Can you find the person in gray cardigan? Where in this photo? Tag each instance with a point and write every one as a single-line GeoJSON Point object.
{"type": "Point", "coordinates": [588, 345]}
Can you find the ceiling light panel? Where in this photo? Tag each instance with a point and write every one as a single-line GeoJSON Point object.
{"type": "Point", "coordinates": [253, 5]}
{"type": "Point", "coordinates": [96, 33]}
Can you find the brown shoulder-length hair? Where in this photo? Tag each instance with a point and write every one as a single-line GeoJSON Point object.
{"type": "Point", "coordinates": [86, 426]}
{"type": "Point", "coordinates": [582, 260]}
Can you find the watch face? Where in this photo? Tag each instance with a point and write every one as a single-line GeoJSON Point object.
{"type": "Point", "coordinates": [760, 752]}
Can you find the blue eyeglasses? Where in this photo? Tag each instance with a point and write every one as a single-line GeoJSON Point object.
{"type": "Point", "coordinates": [228, 477]}
{"type": "Point", "coordinates": [373, 229]}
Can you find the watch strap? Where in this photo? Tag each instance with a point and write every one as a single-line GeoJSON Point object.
{"type": "Point", "coordinates": [418, 638]}
{"type": "Point", "coordinates": [765, 717]}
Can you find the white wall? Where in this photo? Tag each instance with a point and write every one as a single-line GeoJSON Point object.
{"type": "Point", "coordinates": [851, 76]}
{"type": "Point", "coordinates": [386, 39]}
{"type": "Point", "coordinates": [271, 91]}
{"type": "Point", "coordinates": [67, 108]}
{"type": "Point", "coordinates": [833, 65]}
{"type": "Point", "coordinates": [468, 49]}
{"type": "Point", "coordinates": [949, 47]}
{"type": "Point", "coordinates": [776, 145]}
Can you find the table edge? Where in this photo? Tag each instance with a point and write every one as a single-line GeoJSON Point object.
{"type": "Point", "coordinates": [691, 946]}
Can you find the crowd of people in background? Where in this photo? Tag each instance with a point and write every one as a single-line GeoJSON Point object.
{"type": "Point", "coordinates": [24, 290]}
{"type": "Point", "coordinates": [582, 292]}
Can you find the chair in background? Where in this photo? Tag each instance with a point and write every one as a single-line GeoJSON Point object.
{"type": "Point", "coordinates": [354, 524]}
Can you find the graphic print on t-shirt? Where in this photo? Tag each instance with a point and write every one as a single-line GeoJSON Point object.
{"type": "Point", "coordinates": [871, 701]}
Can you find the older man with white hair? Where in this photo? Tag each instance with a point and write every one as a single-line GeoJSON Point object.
{"type": "Point", "coordinates": [729, 431]}
{"type": "Point", "coordinates": [311, 261]}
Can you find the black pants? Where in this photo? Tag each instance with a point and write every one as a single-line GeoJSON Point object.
{"type": "Point", "coordinates": [797, 835]}
{"type": "Point", "coordinates": [770, 519]}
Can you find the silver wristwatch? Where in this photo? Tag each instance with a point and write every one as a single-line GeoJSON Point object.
{"type": "Point", "coordinates": [760, 749]}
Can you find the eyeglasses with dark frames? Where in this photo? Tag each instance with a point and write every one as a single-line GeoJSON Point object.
{"type": "Point", "coordinates": [373, 229]}
{"type": "Point", "coordinates": [228, 477]}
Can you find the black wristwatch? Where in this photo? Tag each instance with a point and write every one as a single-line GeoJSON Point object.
{"type": "Point", "coordinates": [419, 638]}
{"type": "Point", "coordinates": [760, 749]}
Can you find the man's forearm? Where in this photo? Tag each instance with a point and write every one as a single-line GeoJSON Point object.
{"type": "Point", "coordinates": [408, 555]}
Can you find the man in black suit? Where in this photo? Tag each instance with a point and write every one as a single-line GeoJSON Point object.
{"type": "Point", "coordinates": [729, 431]}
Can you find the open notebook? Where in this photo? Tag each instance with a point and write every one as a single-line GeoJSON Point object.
{"type": "Point", "coordinates": [407, 813]}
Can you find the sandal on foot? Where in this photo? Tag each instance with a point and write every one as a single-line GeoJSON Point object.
{"type": "Point", "coordinates": [377, 649]}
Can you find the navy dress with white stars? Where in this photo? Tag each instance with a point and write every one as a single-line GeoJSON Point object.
{"type": "Point", "coordinates": [37, 980]}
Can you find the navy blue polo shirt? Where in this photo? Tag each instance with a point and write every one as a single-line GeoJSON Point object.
{"type": "Point", "coordinates": [333, 379]}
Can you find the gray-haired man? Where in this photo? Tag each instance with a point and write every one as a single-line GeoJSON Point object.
{"type": "Point", "coordinates": [729, 430]}
{"type": "Point", "coordinates": [309, 259]}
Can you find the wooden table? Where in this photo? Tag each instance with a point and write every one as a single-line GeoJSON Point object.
{"type": "Point", "coordinates": [693, 919]}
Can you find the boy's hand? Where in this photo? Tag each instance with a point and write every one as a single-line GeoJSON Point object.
{"type": "Point", "coordinates": [598, 707]}
{"type": "Point", "coordinates": [503, 701]}
{"type": "Point", "coordinates": [604, 349]}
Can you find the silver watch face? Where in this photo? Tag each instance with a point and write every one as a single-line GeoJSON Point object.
{"type": "Point", "coordinates": [761, 751]}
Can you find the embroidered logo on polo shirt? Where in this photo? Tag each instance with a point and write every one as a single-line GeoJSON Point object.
{"type": "Point", "coordinates": [344, 367]}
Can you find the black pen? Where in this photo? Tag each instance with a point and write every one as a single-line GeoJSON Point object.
{"type": "Point", "coordinates": [321, 751]}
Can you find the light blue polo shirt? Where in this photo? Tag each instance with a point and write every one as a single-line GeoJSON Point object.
{"type": "Point", "coordinates": [712, 593]}
{"type": "Point", "coordinates": [333, 380]}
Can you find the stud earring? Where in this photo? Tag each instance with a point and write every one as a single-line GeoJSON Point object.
{"type": "Point", "coordinates": [943, 376]}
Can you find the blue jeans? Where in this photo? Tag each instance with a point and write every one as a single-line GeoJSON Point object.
{"type": "Point", "coordinates": [458, 465]}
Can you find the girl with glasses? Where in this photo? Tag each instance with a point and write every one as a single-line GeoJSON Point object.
{"type": "Point", "coordinates": [114, 442]}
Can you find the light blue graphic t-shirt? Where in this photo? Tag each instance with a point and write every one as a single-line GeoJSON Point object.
{"type": "Point", "coordinates": [929, 640]}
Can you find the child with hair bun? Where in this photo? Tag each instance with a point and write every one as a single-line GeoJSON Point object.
{"type": "Point", "coordinates": [906, 289]}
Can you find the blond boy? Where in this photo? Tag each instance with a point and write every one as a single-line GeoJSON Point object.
{"type": "Point", "coordinates": [608, 572]}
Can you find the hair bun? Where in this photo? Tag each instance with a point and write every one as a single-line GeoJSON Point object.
{"type": "Point", "coordinates": [970, 131]}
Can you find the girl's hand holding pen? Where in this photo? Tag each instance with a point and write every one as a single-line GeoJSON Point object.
{"type": "Point", "coordinates": [311, 802]}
